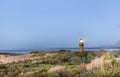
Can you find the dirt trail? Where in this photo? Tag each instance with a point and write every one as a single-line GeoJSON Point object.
{"type": "Point", "coordinates": [9, 59]}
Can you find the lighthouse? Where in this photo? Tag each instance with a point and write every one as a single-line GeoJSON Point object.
{"type": "Point", "coordinates": [81, 45]}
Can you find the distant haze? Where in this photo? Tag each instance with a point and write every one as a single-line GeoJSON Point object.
{"type": "Point", "coordinates": [118, 43]}
{"type": "Point", "coordinates": [37, 24]}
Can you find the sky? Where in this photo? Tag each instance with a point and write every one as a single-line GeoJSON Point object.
{"type": "Point", "coordinates": [37, 24]}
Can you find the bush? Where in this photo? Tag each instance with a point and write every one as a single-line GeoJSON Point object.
{"type": "Point", "coordinates": [2, 66]}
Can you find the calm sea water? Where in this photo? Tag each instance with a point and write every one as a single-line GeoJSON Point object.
{"type": "Point", "coordinates": [56, 49]}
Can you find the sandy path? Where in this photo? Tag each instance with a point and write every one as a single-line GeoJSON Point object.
{"type": "Point", "coordinates": [9, 59]}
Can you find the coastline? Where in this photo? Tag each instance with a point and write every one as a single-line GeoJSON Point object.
{"type": "Point", "coordinates": [57, 49]}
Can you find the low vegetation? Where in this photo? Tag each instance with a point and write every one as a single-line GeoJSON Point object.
{"type": "Point", "coordinates": [65, 64]}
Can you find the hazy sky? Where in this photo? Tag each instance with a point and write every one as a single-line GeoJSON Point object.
{"type": "Point", "coordinates": [26, 24]}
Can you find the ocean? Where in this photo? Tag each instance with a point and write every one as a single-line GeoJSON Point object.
{"type": "Point", "coordinates": [57, 49]}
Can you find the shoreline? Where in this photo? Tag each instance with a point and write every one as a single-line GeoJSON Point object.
{"type": "Point", "coordinates": [51, 50]}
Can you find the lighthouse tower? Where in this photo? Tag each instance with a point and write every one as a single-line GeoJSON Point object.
{"type": "Point", "coordinates": [81, 45]}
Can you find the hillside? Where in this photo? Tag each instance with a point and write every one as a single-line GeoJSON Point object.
{"type": "Point", "coordinates": [61, 64]}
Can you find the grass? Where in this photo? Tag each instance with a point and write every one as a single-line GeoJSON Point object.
{"type": "Point", "coordinates": [74, 63]}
